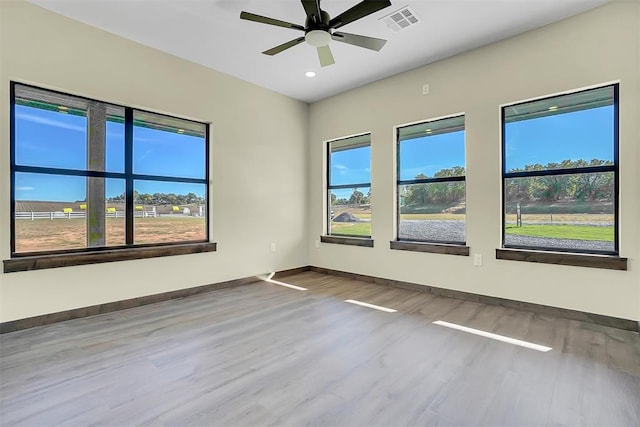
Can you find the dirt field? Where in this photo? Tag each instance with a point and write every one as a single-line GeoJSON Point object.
{"type": "Point", "coordinates": [61, 234]}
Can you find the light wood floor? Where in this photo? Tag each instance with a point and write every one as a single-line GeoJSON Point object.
{"type": "Point", "coordinates": [263, 354]}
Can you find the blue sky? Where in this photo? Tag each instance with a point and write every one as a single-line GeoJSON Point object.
{"type": "Point", "coordinates": [431, 154]}
{"type": "Point", "coordinates": [350, 167]}
{"type": "Point", "coordinates": [57, 140]}
{"type": "Point", "coordinates": [586, 134]}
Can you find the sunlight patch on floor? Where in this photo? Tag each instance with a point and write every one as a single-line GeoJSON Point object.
{"type": "Point", "coordinates": [493, 336]}
{"type": "Point", "coordinates": [268, 279]}
{"type": "Point", "coordinates": [376, 307]}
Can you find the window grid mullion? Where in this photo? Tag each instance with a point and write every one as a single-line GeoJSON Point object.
{"type": "Point", "coordinates": [432, 180]}
{"type": "Point", "coordinates": [616, 163]}
{"type": "Point", "coordinates": [347, 186]}
{"type": "Point", "coordinates": [567, 171]}
{"type": "Point", "coordinates": [12, 165]}
{"type": "Point", "coordinates": [128, 169]}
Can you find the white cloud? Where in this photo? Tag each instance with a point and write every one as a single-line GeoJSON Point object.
{"type": "Point", "coordinates": [146, 153]}
{"type": "Point", "coordinates": [44, 121]}
{"type": "Point", "coordinates": [25, 188]}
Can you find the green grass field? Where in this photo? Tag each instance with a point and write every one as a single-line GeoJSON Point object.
{"type": "Point", "coordinates": [351, 228]}
{"type": "Point", "coordinates": [602, 232]}
{"type": "Point", "coordinates": [561, 231]}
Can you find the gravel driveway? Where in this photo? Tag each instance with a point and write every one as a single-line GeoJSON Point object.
{"type": "Point", "coordinates": [545, 242]}
{"type": "Point", "coordinates": [450, 231]}
{"type": "Point", "coordinates": [453, 231]}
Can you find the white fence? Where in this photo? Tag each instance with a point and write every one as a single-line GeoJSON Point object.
{"type": "Point", "coordinates": [70, 215]}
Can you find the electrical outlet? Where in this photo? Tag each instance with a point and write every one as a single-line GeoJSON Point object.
{"type": "Point", "coordinates": [273, 247]}
{"type": "Point", "coordinates": [477, 259]}
{"type": "Point", "coordinates": [425, 89]}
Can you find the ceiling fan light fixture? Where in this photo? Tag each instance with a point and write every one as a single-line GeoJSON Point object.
{"type": "Point", "coordinates": [318, 38]}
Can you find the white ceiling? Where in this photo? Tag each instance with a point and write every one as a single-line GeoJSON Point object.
{"type": "Point", "coordinates": [210, 32]}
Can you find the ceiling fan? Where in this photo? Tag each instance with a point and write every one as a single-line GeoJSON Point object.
{"type": "Point", "coordinates": [319, 28]}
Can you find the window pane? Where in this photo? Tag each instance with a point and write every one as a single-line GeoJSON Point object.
{"type": "Point", "coordinates": [432, 212]}
{"type": "Point", "coordinates": [49, 212]}
{"type": "Point", "coordinates": [168, 146]}
{"type": "Point", "coordinates": [572, 212]}
{"type": "Point", "coordinates": [350, 161]}
{"type": "Point", "coordinates": [350, 212]}
{"type": "Point", "coordinates": [50, 138]}
{"type": "Point", "coordinates": [166, 212]}
{"type": "Point", "coordinates": [562, 132]}
{"type": "Point", "coordinates": [432, 149]}
{"type": "Point", "coordinates": [52, 131]}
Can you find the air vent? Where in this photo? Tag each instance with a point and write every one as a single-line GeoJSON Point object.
{"type": "Point", "coordinates": [400, 19]}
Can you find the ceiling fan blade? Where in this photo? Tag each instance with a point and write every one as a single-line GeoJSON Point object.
{"type": "Point", "coordinates": [362, 9]}
{"type": "Point", "coordinates": [311, 7]}
{"type": "Point", "coordinates": [357, 40]}
{"type": "Point", "coordinates": [264, 20]}
{"type": "Point", "coordinates": [326, 58]}
{"type": "Point", "coordinates": [284, 46]}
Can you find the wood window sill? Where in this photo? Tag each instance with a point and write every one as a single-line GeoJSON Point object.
{"type": "Point", "coordinates": [39, 262]}
{"type": "Point", "coordinates": [561, 258]}
{"type": "Point", "coordinates": [353, 241]}
{"type": "Point", "coordinates": [435, 248]}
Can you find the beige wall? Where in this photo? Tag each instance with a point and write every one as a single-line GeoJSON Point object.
{"type": "Point", "coordinates": [592, 48]}
{"type": "Point", "coordinates": [258, 162]}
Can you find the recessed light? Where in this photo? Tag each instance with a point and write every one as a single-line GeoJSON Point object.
{"type": "Point", "coordinates": [310, 74]}
{"type": "Point", "coordinates": [62, 107]}
{"type": "Point", "coordinates": [553, 108]}
{"type": "Point", "coordinates": [180, 130]}
{"type": "Point", "coordinates": [428, 131]}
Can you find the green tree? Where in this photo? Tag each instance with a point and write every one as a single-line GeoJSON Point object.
{"type": "Point", "coordinates": [191, 198]}
{"type": "Point", "coordinates": [356, 198]}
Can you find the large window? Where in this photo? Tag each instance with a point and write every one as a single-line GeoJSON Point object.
{"type": "Point", "coordinates": [560, 172]}
{"type": "Point", "coordinates": [89, 175]}
{"type": "Point", "coordinates": [431, 181]}
{"type": "Point", "coordinates": [349, 186]}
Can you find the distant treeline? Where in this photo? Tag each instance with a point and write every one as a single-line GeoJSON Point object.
{"type": "Point", "coordinates": [160, 199]}
{"type": "Point", "coordinates": [580, 186]}
{"type": "Point", "coordinates": [357, 198]}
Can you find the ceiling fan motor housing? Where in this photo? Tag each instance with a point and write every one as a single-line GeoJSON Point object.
{"type": "Point", "coordinates": [318, 28]}
{"type": "Point", "coordinates": [313, 23]}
